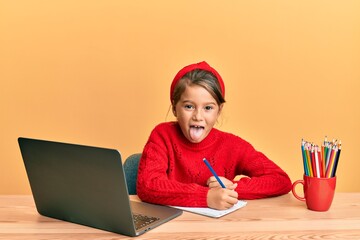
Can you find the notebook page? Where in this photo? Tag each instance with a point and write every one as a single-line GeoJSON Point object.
{"type": "Point", "coordinates": [212, 212]}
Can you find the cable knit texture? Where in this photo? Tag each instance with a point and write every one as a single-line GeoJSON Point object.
{"type": "Point", "coordinates": [172, 171]}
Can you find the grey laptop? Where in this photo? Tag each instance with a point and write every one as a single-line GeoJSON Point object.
{"type": "Point", "coordinates": [86, 185]}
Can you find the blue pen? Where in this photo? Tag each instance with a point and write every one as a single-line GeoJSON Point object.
{"type": "Point", "coordinates": [214, 173]}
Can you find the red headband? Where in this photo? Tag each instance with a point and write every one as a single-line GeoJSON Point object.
{"type": "Point", "coordinates": [201, 65]}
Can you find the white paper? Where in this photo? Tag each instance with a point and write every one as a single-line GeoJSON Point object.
{"type": "Point", "coordinates": [212, 212]}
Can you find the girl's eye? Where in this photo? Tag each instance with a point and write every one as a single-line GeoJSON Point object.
{"type": "Point", "coordinates": [208, 108]}
{"type": "Point", "coordinates": [189, 107]}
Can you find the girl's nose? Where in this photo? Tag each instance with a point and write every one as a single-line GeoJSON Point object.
{"type": "Point", "coordinates": [197, 115]}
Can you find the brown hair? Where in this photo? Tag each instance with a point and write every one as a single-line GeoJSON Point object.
{"type": "Point", "coordinates": [201, 78]}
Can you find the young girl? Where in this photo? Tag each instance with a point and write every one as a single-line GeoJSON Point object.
{"type": "Point", "coordinates": [172, 171]}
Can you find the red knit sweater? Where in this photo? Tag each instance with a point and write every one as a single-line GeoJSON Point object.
{"type": "Point", "coordinates": [172, 171]}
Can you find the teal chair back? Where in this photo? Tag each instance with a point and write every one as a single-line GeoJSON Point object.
{"type": "Point", "coordinates": [131, 166]}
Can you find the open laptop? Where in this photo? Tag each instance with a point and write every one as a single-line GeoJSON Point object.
{"type": "Point", "coordinates": [87, 185]}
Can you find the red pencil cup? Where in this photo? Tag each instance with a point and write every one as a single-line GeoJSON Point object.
{"type": "Point", "coordinates": [318, 192]}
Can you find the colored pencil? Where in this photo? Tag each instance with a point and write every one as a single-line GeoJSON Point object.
{"type": "Point", "coordinates": [317, 162]}
{"type": "Point", "coordinates": [321, 161]}
{"type": "Point", "coordinates": [333, 173]}
{"type": "Point", "coordinates": [306, 170]}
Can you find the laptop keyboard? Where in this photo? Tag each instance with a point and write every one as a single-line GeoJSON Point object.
{"type": "Point", "coordinates": [143, 220]}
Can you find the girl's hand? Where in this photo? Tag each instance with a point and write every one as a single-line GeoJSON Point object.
{"type": "Point", "coordinates": [222, 198]}
{"type": "Point", "coordinates": [212, 182]}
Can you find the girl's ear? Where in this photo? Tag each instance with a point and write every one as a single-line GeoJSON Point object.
{"type": "Point", "coordinates": [174, 111]}
{"type": "Point", "coordinates": [220, 108]}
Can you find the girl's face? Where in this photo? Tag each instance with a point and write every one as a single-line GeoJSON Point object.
{"type": "Point", "coordinates": [196, 112]}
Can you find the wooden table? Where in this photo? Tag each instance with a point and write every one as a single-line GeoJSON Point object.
{"type": "Point", "coordinates": [274, 218]}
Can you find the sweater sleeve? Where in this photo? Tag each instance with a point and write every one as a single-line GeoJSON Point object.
{"type": "Point", "coordinates": [154, 184]}
{"type": "Point", "coordinates": [263, 177]}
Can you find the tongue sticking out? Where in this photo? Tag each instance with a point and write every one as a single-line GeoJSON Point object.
{"type": "Point", "coordinates": [196, 132]}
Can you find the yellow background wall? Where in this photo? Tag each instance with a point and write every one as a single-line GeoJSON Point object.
{"type": "Point", "coordinates": [99, 72]}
